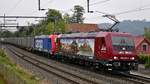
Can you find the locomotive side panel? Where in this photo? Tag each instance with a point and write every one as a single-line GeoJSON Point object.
{"type": "Point", "coordinates": [101, 49]}
{"type": "Point", "coordinates": [38, 44]}
{"type": "Point", "coordinates": [47, 45]}
{"type": "Point", "coordinates": [43, 44]}
{"type": "Point", "coordinates": [78, 46]}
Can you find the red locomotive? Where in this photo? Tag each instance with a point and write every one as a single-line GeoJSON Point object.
{"type": "Point", "coordinates": [104, 50]}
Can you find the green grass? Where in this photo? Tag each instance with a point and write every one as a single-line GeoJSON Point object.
{"type": "Point", "coordinates": [15, 70]}
{"type": "Point", "coordinates": [2, 80]}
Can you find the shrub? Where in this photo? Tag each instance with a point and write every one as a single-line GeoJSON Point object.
{"type": "Point", "coordinates": [144, 59]}
{"type": "Point", "coordinates": [12, 73]}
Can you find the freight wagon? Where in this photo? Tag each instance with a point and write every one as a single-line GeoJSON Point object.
{"type": "Point", "coordinates": [23, 42]}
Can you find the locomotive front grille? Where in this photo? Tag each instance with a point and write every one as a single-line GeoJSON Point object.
{"type": "Point", "coordinates": [123, 65]}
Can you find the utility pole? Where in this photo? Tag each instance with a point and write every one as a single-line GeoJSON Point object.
{"type": "Point", "coordinates": [0, 29]}
{"type": "Point", "coordinates": [39, 6]}
{"type": "Point", "coordinates": [88, 7]}
{"type": "Point", "coordinates": [4, 21]}
{"type": "Point", "coordinates": [0, 36]}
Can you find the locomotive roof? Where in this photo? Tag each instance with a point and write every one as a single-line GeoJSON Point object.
{"type": "Point", "coordinates": [93, 34]}
{"type": "Point", "coordinates": [42, 36]}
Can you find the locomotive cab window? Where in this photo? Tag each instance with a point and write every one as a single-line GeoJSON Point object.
{"type": "Point", "coordinates": [121, 43]}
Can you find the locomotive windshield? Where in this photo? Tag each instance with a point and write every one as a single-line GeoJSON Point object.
{"type": "Point", "coordinates": [121, 43]}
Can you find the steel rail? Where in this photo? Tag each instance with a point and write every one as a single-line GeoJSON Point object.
{"type": "Point", "coordinates": [137, 78]}
{"type": "Point", "coordinates": [38, 63]}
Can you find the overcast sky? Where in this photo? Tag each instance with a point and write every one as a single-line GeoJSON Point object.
{"type": "Point", "coordinates": [30, 7]}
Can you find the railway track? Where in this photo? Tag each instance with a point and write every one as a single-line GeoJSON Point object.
{"type": "Point", "coordinates": [70, 77]}
{"type": "Point", "coordinates": [75, 79]}
{"type": "Point", "coordinates": [137, 79]}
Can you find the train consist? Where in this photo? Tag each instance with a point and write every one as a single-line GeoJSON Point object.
{"type": "Point", "coordinates": [102, 50]}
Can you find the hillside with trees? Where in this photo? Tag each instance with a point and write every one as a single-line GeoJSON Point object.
{"type": "Point", "coordinates": [135, 27]}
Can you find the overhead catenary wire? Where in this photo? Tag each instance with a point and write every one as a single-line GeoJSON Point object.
{"type": "Point", "coordinates": [70, 9]}
{"type": "Point", "coordinates": [14, 7]}
{"type": "Point", "coordinates": [99, 2]}
{"type": "Point", "coordinates": [88, 5]}
{"type": "Point", "coordinates": [35, 11]}
{"type": "Point", "coordinates": [47, 2]}
{"type": "Point", "coordinates": [62, 11]}
{"type": "Point", "coordinates": [124, 12]}
{"type": "Point", "coordinates": [141, 8]}
{"type": "Point", "coordinates": [117, 14]}
{"type": "Point", "coordinates": [131, 11]}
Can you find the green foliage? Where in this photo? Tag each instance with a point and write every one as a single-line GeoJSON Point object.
{"type": "Point", "coordinates": [13, 70]}
{"type": "Point", "coordinates": [67, 18]}
{"type": "Point", "coordinates": [147, 65]}
{"type": "Point", "coordinates": [54, 23]}
{"type": "Point", "coordinates": [142, 58]}
{"type": "Point", "coordinates": [2, 81]}
{"type": "Point", "coordinates": [2, 53]}
{"type": "Point", "coordinates": [60, 26]}
{"type": "Point", "coordinates": [78, 14]}
{"type": "Point", "coordinates": [6, 34]}
{"type": "Point", "coordinates": [145, 59]}
{"type": "Point", "coordinates": [53, 15]}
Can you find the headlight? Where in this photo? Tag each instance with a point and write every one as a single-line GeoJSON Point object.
{"type": "Point", "coordinates": [132, 58]}
{"type": "Point", "coordinates": [115, 57]}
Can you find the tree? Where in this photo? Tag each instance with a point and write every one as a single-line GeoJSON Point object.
{"type": "Point", "coordinates": [66, 18]}
{"type": "Point", "coordinates": [53, 15]}
{"type": "Point", "coordinates": [24, 31]}
{"type": "Point", "coordinates": [78, 14]}
{"type": "Point", "coordinates": [53, 23]}
{"type": "Point", "coordinates": [61, 26]}
{"type": "Point", "coordinates": [6, 33]}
